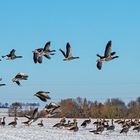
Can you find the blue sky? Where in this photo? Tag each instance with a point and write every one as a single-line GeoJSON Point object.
{"type": "Point", "coordinates": [87, 25]}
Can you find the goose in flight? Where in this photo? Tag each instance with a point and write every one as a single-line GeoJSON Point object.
{"type": "Point", "coordinates": [68, 54]}
{"type": "Point", "coordinates": [39, 53]}
{"type": "Point", "coordinates": [43, 95]}
{"type": "Point", "coordinates": [11, 55]}
{"type": "Point", "coordinates": [32, 118]}
{"type": "Point", "coordinates": [108, 55]}
{"type": "Point", "coordinates": [52, 109]}
{"type": "Point", "coordinates": [47, 52]}
{"type": "Point", "coordinates": [20, 76]}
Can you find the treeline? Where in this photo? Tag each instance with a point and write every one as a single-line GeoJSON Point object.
{"type": "Point", "coordinates": [111, 108]}
{"type": "Point", "coordinates": [83, 108]}
{"type": "Point", "coordinates": [20, 109]}
{"type": "Point", "coordinates": [5, 105]}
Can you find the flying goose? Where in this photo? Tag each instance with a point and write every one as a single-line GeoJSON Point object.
{"type": "Point", "coordinates": [11, 55]}
{"type": "Point", "coordinates": [39, 53]}
{"type": "Point", "coordinates": [108, 55]}
{"type": "Point", "coordinates": [46, 51]}
{"type": "Point", "coordinates": [14, 123]}
{"type": "Point", "coordinates": [42, 95]}
{"type": "Point", "coordinates": [31, 118]}
{"type": "Point", "coordinates": [52, 109]}
{"type": "Point", "coordinates": [20, 76]}
{"type": "Point", "coordinates": [68, 54]}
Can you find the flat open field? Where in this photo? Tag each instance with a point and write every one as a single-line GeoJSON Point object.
{"type": "Point", "coordinates": [34, 132]}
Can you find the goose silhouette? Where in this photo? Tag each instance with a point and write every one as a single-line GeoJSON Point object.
{"type": "Point", "coordinates": [68, 55]}
{"type": "Point", "coordinates": [108, 55]}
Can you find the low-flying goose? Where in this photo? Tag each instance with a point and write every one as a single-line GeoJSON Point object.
{"type": "Point", "coordinates": [108, 55]}
{"type": "Point", "coordinates": [68, 54]}
{"type": "Point", "coordinates": [14, 123]}
{"type": "Point", "coordinates": [42, 95]}
{"type": "Point", "coordinates": [52, 109]}
{"type": "Point", "coordinates": [20, 76]}
{"type": "Point", "coordinates": [39, 53]}
{"type": "Point", "coordinates": [11, 55]}
{"type": "Point", "coordinates": [31, 118]}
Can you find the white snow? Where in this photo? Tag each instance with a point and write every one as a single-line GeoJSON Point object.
{"type": "Point", "coordinates": [34, 132]}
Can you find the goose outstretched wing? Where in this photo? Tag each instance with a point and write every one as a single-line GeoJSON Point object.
{"type": "Point", "coordinates": [62, 52]}
{"type": "Point", "coordinates": [68, 50]}
{"type": "Point", "coordinates": [47, 46]}
{"type": "Point", "coordinates": [108, 49]}
{"type": "Point", "coordinates": [12, 52]}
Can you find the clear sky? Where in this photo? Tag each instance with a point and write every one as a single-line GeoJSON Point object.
{"type": "Point", "coordinates": [88, 25]}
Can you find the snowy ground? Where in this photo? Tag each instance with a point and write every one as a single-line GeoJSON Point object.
{"type": "Point", "coordinates": [47, 132]}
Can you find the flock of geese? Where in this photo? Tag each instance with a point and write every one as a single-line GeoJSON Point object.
{"type": "Point", "coordinates": [99, 126]}
{"type": "Point", "coordinates": [53, 108]}
{"type": "Point", "coordinates": [39, 53]}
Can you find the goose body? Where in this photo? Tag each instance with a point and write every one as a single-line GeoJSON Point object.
{"type": "Point", "coordinates": [14, 123]}
{"type": "Point", "coordinates": [41, 123]}
{"type": "Point", "coordinates": [3, 121]}
{"type": "Point", "coordinates": [74, 128]}
{"type": "Point", "coordinates": [85, 122]}
{"type": "Point", "coordinates": [61, 123]}
{"type": "Point", "coordinates": [125, 130]}
{"type": "Point", "coordinates": [137, 128]}
{"type": "Point", "coordinates": [112, 126]}
{"type": "Point", "coordinates": [39, 53]}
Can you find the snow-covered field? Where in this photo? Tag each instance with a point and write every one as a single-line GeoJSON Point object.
{"type": "Point", "coordinates": [34, 132]}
